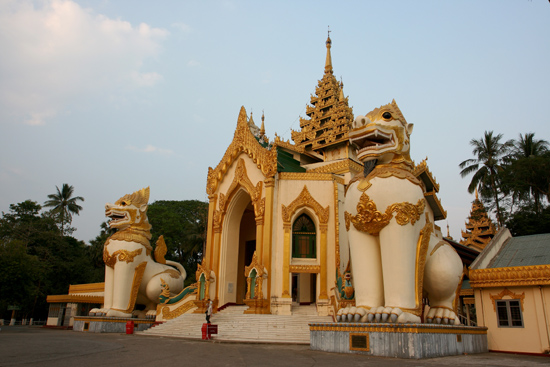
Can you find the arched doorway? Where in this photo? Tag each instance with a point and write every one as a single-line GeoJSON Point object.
{"type": "Point", "coordinates": [304, 246]}
{"type": "Point", "coordinates": [237, 248]}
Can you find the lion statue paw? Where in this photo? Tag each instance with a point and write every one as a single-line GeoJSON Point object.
{"type": "Point", "coordinates": [376, 315]}
{"type": "Point", "coordinates": [442, 315]}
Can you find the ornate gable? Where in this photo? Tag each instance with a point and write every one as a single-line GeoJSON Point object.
{"type": "Point", "coordinates": [243, 142]}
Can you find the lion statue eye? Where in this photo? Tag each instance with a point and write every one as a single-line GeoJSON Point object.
{"type": "Point", "coordinates": [386, 115]}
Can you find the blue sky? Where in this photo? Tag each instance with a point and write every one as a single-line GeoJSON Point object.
{"type": "Point", "coordinates": [113, 96]}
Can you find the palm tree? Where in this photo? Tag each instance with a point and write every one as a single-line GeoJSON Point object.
{"type": "Point", "coordinates": [487, 165]}
{"type": "Point", "coordinates": [64, 204]}
{"type": "Point", "coordinates": [526, 164]}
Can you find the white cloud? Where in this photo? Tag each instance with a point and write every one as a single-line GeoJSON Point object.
{"type": "Point", "coordinates": [59, 51]}
{"type": "Point", "coordinates": [150, 149]}
{"type": "Point", "coordinates": [146, 79]}
{"type": "Point", "coordinates": [182, 27]}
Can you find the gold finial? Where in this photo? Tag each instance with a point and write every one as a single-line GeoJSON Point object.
{"type": "Point", "coordinates": [262, 129]}
{"type": "Point", "coordinates": [448, 235]}
{"type": "Point", "coordinates": [328, 62]}
{"type": "Point", "coordinates": [476, 195]}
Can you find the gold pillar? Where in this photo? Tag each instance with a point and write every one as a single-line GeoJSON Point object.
{"type": "Point", "coordinates": [267, 233]}
{"type": "Point", "coordinates": [216, 256]}
{"type": "Point", "coordinates": [209, 238]}
{"type": "Point", "coordinates": [286, 261]}
{"type": "Point", "coordinates": [323, 262]}
{"type": "Point", "coordinates": [260, 237]}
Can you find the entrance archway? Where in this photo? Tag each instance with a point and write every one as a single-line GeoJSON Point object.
{"type": "Point", "coordinates": [237, 248]}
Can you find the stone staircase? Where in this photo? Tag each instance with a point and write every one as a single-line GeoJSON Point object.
{"type": "Point", "coordinates": [233, 325]}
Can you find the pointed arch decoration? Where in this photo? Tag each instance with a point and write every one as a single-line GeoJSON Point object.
{"type": "Point", "coordinates": [240, 179]}
{"type": "Point", "coordinates": [305, 199]}
{"type": "Point", "coordinates": [243, 142]}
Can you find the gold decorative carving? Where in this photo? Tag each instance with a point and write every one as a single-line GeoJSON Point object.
{"type": "Point", "coordinates": [401, 171]}
{"type": "Point", "coordinates": [347, 218]}
{"type": "Point", "coordinates": [171, 272]}
{"type": "Point", "coordinates": [337, 227]}
{"type": "Point", "coordinates": [305, 268]}
{"type": "Point", "coordinates": [138, 276]}
{"type": "Point", "coordinates": [506, 292]}
{"type": "Point", "coordinates": [244, 142]}
{"type": "Point", "coordinates": [86, 288]}
{"type": "Point", "coordinates": [421, 253]}
{"type": "Point", "coordinates": [305, 199]}
{"type": "Point", "coordinates": [160, 250]}
{"type": "Point", "coordinates": [217, 221]}
{"type": "Point", "coordinates": [169, 315]}
{"type": "Point", "coordinates": [510, 276]}
{"type": "Point", "coordinates": [203, 269]}
{"type": "Point", "coordinates": [422, 168]}
{"type": "Point", "coordinates": [130, 234]}
{"type": "Point", "coordinates": [313, 176]}
{"type": "Point", "coordinates": [342, 166]}
{"type": "Point", "coordinates": [400, 328]}
{"type": "Point", "coordinates": [120, 255]}
{"type": "Point", "coordinates": [240, 179]}
{"type": "Point", "coordinates": [372, 221]}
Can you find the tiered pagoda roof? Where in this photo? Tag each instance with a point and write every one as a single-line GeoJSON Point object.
{"type": "Point", "coordinates": [479, 228]}
{"type": "Point", "coordinates": [330, 116]}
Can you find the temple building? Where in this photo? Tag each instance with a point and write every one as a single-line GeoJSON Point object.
{"type": "Point", "coordinates": [276, 229]}
{"type": "Point", "coordinates": [511, 283]}
{"type": "Point", "coordinates": [479, 228]}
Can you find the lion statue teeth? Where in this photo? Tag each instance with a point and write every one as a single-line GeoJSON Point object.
{"type": "Point", "coordinates": [396, 257]}
{"type": "Point", "coordinates": [132, 276]}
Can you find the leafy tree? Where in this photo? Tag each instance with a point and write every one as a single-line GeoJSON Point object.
{"type": "Point", "coordinates": [24, 223]}
{"type": "Point", "coordinates": [528, 172]}
{"type": "Point", "coordinates": [490, 153]}
{"type": "Point", "coordinates": [64, 204]}
{"type": "Point", "coordinates": [37, 260]}
{"type": "Point", "coordinates": [95, 251]}
{"type": "Point", "coordinates": [527, 221]}
{"type": "Point", "coordinates": [183, 225]}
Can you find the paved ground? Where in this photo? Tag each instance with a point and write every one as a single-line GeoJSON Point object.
{"type": "Point", "coordinates": [36, 346]}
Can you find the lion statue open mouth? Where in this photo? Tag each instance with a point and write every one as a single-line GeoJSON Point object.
{"type": "Point", "coordinates": [396, 257]}
{"type": "Point", "coordinates": [132, 276]}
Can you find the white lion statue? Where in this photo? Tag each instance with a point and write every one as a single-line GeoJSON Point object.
{"type": "Point", "coordinates": [131, 274]}
{"type": "Point", "coordinates": [395, 256]}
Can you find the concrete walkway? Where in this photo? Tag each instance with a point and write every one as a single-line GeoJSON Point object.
{"type": "Point", "coordinates": [36, 346]}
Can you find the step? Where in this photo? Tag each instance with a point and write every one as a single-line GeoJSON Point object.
{"type": "Point", "coordinates": [233, 325]}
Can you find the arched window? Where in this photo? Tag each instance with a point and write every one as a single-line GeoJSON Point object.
{"type": "Point", "coordinates": [303, 237]}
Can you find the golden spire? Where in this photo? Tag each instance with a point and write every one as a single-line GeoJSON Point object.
{"type": "Point", "coordinates": [476, 194]}
{"type": "Point", "coordinates": [328, 62]}
{"type": "Point", "coordinates": [262, 129]}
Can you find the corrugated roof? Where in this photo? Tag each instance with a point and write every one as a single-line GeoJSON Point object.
{"type": "Point", "coordinates": [523, 251]}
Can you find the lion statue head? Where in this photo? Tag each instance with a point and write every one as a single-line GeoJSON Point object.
{"type": "Point", "coordinates": [129, 211]}
{"type": "Point", "coordinates": [383, 135]}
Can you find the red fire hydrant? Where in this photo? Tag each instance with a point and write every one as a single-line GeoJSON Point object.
{"type": "Point", "coordinates": [129, 327]}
